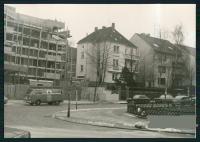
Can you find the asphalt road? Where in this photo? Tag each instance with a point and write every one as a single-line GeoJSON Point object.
{"type": "Point", "coordinates": [38, 120]}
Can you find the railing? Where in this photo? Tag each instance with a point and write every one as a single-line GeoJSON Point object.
{"type": "Point", "coordinates": [133, 57]}
{"type": "Point", "coordinates": [51, 57]}
{"type": "Point", "coordinates": [52, 75]}
{"type": "Point", "coordinates": [115, 67]}
{"type": "Point", "coordinates": [15, 67]}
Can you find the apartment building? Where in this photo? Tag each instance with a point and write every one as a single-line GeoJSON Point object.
{"type": "Point", "coordinates": [189, 56]}
{"type": "Point", "coordinates": [105, 48]}
{"type": "Point", "coordinates": [34, 48]}
{"type": "Point", "coordinates": [161, 62]}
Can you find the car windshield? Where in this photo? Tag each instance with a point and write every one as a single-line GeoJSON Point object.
{"type": "Point", "coordinates": [180, 97]}
{"type": "Point", "coordinates": [139, 97]}
{"type": "Point", "coordinates": [166, 96]}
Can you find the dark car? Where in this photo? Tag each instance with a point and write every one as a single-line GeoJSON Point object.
{"type": "Point", "coordinates": [181, 99]}
{"type": "Point", "coordinates": [16, 133]}
{"type": "Point", "coordinates": [164, 99]}
{"type": "Point", "coordinates": [141, 99]}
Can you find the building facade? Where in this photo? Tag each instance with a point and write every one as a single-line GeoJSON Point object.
{"type": "Point", "coordinates": [34, 48]}
{"type": "Point", "coordinates": [105, 51]}
{"type": "Point", "coordinates": [189, 56]}
{"type": "Point", "coordinates": [161, 62]}
{"type": "Point", "coordinates": [71, 62]}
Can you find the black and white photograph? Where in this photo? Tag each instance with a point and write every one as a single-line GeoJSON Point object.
{"type": "Point", "coordinates": [100, 71]}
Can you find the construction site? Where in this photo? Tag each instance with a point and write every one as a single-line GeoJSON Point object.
{"type": "Point", "coordinates": [34, 48]}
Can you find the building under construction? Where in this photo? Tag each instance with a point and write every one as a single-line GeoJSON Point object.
{"type": "Point", "coordinates": [34, 48]}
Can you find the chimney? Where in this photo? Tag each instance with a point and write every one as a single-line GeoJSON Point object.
{"type": "Point", "coordinates": [113, 25]}
{"type": "Point", "coordinates": [96, 29]}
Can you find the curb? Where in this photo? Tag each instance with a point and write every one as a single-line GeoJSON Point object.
{"type": "Point", "coordinates": [78, 103]}
{"type": "Point", "coordinates": [117, 127]}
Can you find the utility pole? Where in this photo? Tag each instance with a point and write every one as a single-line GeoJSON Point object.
{"type": "Point", "coordinates": [67, 84]}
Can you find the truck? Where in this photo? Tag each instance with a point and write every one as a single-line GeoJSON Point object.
{"type": "Point", "coordinates": [49, 96]}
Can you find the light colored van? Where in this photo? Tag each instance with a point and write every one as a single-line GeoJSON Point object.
{"type": "Point", "coordinates": [38, 96]}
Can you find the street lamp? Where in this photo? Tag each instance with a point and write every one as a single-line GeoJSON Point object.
{"type": "Point", "coordinates": [66, 62]}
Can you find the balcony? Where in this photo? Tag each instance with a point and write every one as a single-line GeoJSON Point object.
{"type": "Point", "coordinates": [51, 57]}
{"type": "Point", "coordinates": [115, 67]}
{"type": "Point", "coordinates": [51, 75]}
{"type": "Point", "coordinates": [15, 67]}
{"type": "Point", "coordinates": [129, 56]}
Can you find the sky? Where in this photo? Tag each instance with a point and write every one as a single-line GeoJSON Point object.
{"type": "Point", "coordinates": [81, 19]}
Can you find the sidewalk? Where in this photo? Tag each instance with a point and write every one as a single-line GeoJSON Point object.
{"type": "Point", "coordinates": [81, 102]}
{"type": "Point", "coordinates": [111, 118]}
{"type": "Point", "coordinates": [104, 117]}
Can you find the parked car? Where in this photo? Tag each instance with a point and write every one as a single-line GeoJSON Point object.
{"type": "Point", "coordinates": [181, 100]}
{"type": "Point", "coordinates": [16, 133]}
{"type": "Point", "coordinates": [164, 99]}
{"type": "Point", "coordinates": [141, 99]}
{"type": "Point", "coordinates": [5, 100]}
{"type": "Point", "coordinates": [38, 96]}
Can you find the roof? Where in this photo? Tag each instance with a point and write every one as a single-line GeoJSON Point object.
{"type": "Point", "coordinates": [158, 44]}
{"type": "Point", "coordinates": [106, 34]}
{"type": "Point", "coordinates": [189, 50]}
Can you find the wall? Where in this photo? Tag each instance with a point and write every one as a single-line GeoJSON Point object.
{"type": "Point", "coordinates": [15, 91]}
{"type": "Point", "coordinates": [102, 94]}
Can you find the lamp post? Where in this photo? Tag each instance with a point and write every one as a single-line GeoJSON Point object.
{"type": "Point", "coordinates": [70, 81]}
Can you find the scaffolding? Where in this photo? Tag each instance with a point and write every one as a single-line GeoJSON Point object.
{"type": "Point", "coordinates": [33, 48]}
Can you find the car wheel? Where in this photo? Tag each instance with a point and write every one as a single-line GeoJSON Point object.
{"type": "Point", "coordinates": [57, 103]}
{"type": "Point", "coordinates": [38, 102]}
{"type": "Point", "coordinates": [31, 104]}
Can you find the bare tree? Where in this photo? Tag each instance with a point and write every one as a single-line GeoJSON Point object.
{"type": "Point", "coordinates": [178, 35]}
{"type": "Point", "coordinates": [99, 57]}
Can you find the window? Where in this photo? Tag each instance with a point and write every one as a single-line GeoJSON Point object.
{"type": "Point", "coordinates": [9, 36]}
{"type": "Point", "coordinates": [133, 51]}
{"type": "Point", "coordinates": [126, 51]}
{"type": "Point", "coordinates": [114, 76]}
{"type": "Point", "coordinates": [82, 55]}
{"type": "Point", "coordinates": [81, 68]}
{"type": "Point", "coordinates": [116, 49]}
{"type": "Point", "coordinates": [161, 81]}
{"type": "Point", "coordinates": [115, 62]}
{"type": "Point", "coordinates": [161, 69]}
{"type": "Point", "coordinates": [164, 58]}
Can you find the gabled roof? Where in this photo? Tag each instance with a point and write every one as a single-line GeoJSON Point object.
{"type": "Point", "coordinates": [106, 34]}
{"type": "Point", "coordinates": [187, 49]}
{"type": "Point", "coordinates": [158, 44]}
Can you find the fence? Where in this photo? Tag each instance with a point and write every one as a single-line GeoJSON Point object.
{"type": "Point", "coordinates": [17, 91]}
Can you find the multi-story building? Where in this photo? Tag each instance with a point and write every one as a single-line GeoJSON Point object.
{"type": "Point", "coordinates": [34, 48]}
{"type": "Point", "coordinates": [161, 63]}
{"type": "Point", "coordinates": [71, 62]}
{"type": "Point", "coordinates": [189, 57]}
{"type": "Point", "coordinates": [105, 51]}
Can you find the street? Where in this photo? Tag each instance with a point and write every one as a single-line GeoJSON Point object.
{"type": "Point", "coordinates": [38, 120]}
